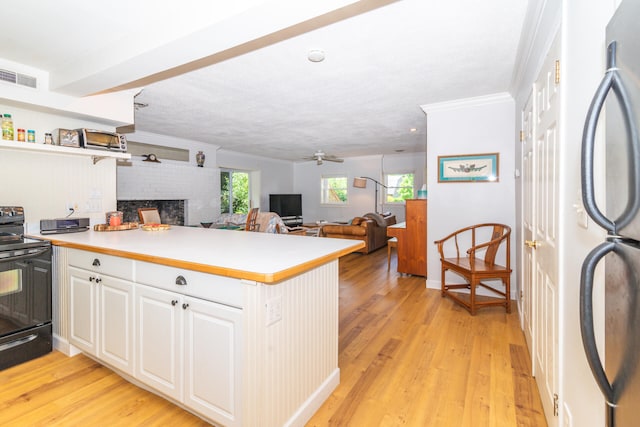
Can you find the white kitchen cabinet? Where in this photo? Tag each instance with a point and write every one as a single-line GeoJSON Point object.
{"type": "Point", "coordinates": [101, 315]}
{"type": "Point", "coordinates": [239, 353]}
{"type": "Point", "coordinates": [213, 360]}
{"type": "Point", "coordinates": [159, 327]}
{"type": "Point", "coordinates": [83, 313]}
{"type": "Point", "coordinates": [115, 325]}
{"type": "Point", "coordinates": [190, 349]}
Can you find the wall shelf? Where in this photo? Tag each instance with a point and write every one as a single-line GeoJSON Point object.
{"type": "Point", "coordinates": [96, 155]}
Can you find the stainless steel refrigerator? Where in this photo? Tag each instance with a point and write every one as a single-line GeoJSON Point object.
{"type": "Point", "coordinates": [618, 377]}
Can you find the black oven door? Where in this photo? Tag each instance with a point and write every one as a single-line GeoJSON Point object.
{"type": "Point", "coordinates": [25, 305]}
{"type": "Point", "coordinates": [25, 289]}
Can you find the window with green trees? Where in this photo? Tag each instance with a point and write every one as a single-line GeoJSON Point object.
{"type": "Point", "coordinates": [399, 187]}
{"type": "Point", "coordinates": [334, 190]}
{"type": "Point", "coordinates": [234, 191]}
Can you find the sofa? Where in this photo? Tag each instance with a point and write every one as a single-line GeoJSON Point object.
{"type": "Point", "coordinates": [370, 228]}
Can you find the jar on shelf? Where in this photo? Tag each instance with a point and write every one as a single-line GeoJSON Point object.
{"type": "Point", "coordinates": [7, 127]}
{"type": "Point", "coordinates": [200, 159]}
{"type": "Point", "coordinates": [31, 135]}
{"type": "Point", "coordinates": [21, 136]}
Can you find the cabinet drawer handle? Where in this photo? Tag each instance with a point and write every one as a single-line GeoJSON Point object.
{"type": "Point", "coordinates": [174, 302]}
{"type": "Point", "coordinates": [98, 280]}
{"type": "Point", "coordinates": [184, 306]}
{"type": "Point", "coordinates": [96, 262]}
{"type": "Point", "coordinates": [180, 280]}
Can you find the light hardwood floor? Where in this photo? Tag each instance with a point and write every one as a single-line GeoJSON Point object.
{"type": "Point", "coordinates": [407, 357]}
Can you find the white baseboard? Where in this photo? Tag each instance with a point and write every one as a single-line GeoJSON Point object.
{"type": "Point", "coordinates": [64, 346]}
{"type": "Point", "coordinates": [315, 401]}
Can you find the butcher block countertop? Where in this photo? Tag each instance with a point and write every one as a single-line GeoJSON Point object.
{"type": "Point", "coordinates": [261, 257]}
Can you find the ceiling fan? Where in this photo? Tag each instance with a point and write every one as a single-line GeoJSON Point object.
{"type": "Point", "coordinates": [319, 156]}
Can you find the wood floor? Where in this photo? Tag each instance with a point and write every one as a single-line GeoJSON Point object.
{"type": "Point", "coordinates": [407, 357]}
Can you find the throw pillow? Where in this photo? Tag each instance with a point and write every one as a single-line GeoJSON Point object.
{"type": "Point", "coordinates": [358, 220]}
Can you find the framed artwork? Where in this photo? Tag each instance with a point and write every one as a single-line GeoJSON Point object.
{"type": "Point", "coordinates": [469, 168]}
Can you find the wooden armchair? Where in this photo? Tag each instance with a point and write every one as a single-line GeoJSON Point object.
{"type": "Point", "coordinates": [476, 270]}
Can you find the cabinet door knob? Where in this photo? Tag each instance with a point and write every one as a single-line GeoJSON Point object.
{"type": "Point", "coordinates": [96, 262]}
{"type": "Point", "coordinates": [184, 306]}
{"type": "Point", "coordinates": [180, 280]}
{"type": "Point", "coordinates": [174, 302]}
{"type": "Point", "coordinates": [98, 280]}
{"type": "Point", "coordinates": [91, 279]}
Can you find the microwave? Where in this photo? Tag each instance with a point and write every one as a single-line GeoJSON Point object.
{"type": "Point", "coordinates": [102, 140]}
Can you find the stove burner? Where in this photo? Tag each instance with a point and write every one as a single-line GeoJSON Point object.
{"type": "Point", "coordinates": [12, 230]}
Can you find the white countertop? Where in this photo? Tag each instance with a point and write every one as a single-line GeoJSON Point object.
{"type": "Point", "coordinates": [263, 257]}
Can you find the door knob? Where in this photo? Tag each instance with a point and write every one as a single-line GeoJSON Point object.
{"type": "Point", "coordinates": [532, 243]}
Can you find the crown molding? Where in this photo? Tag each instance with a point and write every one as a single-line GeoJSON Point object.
{"type": "Point", "coordinates": [467, 102]}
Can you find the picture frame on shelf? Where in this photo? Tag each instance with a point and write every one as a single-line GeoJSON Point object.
{"type": "Point", "coordinates": [469, 168]}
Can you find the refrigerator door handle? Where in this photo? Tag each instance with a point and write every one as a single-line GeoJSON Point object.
{"type": "Point", "coordinates": [611, 81]}
{"type": "Point", "coordinates": [586, 319]}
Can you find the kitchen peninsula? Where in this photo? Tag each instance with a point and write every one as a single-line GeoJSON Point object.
{"type": "Point", "coordinates": [239, 328]}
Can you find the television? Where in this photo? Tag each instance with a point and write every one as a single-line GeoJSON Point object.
{"type": "Point", "coordinates": [286, 205]}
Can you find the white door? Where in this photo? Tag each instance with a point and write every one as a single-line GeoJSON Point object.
{"type": "Point", "coordinates": [83, 315]}
{"type": "Point", "coordinates": [116, 327]}
{"type": "Point", "coordinates": [213, 360]}
{"type": "Point", "coordinates": [545, 264]}
{"type": "Point", "coordinates": [159, 340]}
{"type": "Point", "coordinates": [527, 297]}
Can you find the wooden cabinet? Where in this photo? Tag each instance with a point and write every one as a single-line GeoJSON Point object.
{"type": "Point", "coordinates": [412, 238]}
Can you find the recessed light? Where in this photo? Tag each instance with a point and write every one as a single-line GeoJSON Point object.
{"type": "Point", "coordinates": [316, 55]}
{"type": "Point", "coordinates": [413, 130]}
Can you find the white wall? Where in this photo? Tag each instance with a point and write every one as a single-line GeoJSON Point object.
{"type": "Point", "coordinates": [271, 176]}
{"type": "Point", "coordinates": [307, 176]}
{"type": "Point", "coordinates": [114, 108]}
{"type": "Point", "coordinates": [171, 179]}
{"type": "Point", "coordinates": [471, 126]}
{"type": "Point", "coordinates": [44, 183]}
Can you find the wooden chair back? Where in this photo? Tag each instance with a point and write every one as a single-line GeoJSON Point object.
{"type": "Point", "coordinates": [149, 215]}
{"type": "Point", "coordinates": [498, 236]}
{"type": "Point", "coordinates": [252, 217]}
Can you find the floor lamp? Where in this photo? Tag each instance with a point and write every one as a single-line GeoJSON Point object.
{"type": "Point", "coordinates": [361, 182]}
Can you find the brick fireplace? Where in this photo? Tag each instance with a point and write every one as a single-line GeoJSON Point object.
{"type": "Point", "coordinates": [171, 211]}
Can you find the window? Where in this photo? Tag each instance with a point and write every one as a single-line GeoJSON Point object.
{"type": "Point", "coordinates": [334, 190]}
{"type": "Point", "coordinates": [399, 187]}
{"type": "Point", "coordinates": [234, 192]}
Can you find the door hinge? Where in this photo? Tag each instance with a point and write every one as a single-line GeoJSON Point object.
{"type": "Point", "coordinates": [557, 71]}
{"type": "Point", "coordinates": [521, 294]}
{"type": "Point", "coordinates": [555, 404]}
{"type": "Point", "coordinates": [521, 136]}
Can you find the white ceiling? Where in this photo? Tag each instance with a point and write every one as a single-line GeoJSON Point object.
{"type": "Point", "coordinates": [257, 92]}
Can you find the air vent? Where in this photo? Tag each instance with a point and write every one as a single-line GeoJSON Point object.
{"type": "Point", "coordinates": [17, 78]}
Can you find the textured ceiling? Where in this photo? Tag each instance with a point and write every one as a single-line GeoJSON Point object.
{"type": "Point", "coordinates": [362, 99]}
